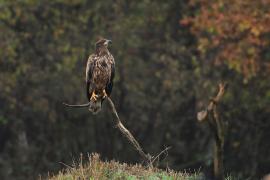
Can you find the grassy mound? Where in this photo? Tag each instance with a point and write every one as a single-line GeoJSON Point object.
{"type": "Point", "coordinates": [95, 169]}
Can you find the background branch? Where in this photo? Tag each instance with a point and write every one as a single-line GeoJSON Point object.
{"type": "Point", "coordinates": [216, 125]}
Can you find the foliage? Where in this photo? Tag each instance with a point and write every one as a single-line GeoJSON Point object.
{"type": "Point", "coordinates": [234, 32]}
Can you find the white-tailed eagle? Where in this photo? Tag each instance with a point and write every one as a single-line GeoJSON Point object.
{"type": "Point", "coordinates": [99, 75]}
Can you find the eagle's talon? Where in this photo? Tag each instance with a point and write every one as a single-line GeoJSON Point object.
{"type": "Point", "coordinates": [94, 96]}
{"type": "Point", "coordinates": [104, 93]}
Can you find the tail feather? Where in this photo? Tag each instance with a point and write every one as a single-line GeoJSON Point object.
{"type": "Point", "coordinates": [95, 106]}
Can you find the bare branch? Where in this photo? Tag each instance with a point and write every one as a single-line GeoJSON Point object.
{"type": "Point", "coordinates": [202, 115]}
{"type": "Point", "coordinates": [217, 127]}
{"type": "Point", "coordinates": [162, 152]}
{"type": "Point", "coordinates": [77, 105]}
{"type": "Point", "coordinates": [122, 128]}
{"type": "Point", "coordinates": [128, 135]}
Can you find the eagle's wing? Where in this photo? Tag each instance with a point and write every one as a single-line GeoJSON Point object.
{"type": "Point", "coordinates": [109, 85]}
{"type": "Point", "coordinates": [88, 75]}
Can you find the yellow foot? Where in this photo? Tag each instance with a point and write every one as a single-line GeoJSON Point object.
{"type": "Point", "coordinates": [93, 96]}
{"type": "Point", "coordinates": [104, 93]}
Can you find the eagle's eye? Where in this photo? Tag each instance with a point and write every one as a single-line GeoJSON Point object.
{"type": "Point", "coordinates": [99, 44]}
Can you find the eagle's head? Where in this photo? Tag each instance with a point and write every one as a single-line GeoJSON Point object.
{"type": "Point", "coordinates": [102, 44]}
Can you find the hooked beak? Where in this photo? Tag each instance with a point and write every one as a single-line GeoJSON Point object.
{"type": "Point", "coordinates": [109, 41]}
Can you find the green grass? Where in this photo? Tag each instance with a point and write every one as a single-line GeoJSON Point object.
{"type": "Point", "coordinates": [96, 169]}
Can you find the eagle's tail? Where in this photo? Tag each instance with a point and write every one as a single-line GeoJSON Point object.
{"type": "Point", "coordinates": [96, 105]}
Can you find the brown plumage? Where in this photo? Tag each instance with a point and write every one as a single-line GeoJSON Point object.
{"type": "Point", "coordinates": [99, 75]}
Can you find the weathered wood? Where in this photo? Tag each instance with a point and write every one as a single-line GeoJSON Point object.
{"type": "Point", "coordinates": [217, 127]}
{"type": "Point", "coordinates": [77, 105]}
{"type": "Point", "coordinates": [122, 128]}
{"type": "Point", "coordinates": [127, 134]}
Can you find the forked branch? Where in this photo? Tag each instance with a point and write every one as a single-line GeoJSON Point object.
{"type": "Point", "coordinates": [217, 127]}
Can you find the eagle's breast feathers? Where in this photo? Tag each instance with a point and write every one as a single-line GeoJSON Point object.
{"type": "Point", "coordinates": [99, 73]}
{"type": "Point", "coordinates": [102, 72]}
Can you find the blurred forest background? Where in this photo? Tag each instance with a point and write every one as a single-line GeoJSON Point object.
{"type": "Point", "coordinates": [170, 56]}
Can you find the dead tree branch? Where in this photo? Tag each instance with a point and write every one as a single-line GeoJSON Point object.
{"type": "Point", "coordinates": [77, 105]}
{"type": "Point", "coordinates": [123, 130]}
{"type": "Point", "coordinates": [217, 127]}
{"type": "Point", "coordinates": [127, 134]}
{"type": "Point", "coordinates": [165, 151]}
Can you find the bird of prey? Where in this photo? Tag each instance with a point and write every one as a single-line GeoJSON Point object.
{"type": "Point", "coordinates": [99, 75]}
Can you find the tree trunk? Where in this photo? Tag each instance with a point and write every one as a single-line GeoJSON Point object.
{"type": "Point", "coordinates": [218, 161]}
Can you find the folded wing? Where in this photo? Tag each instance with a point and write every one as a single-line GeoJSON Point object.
{"type": "Point", "coordinates": [88, 75]}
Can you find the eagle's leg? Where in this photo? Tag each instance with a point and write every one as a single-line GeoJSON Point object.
{"type": "Point", "coordinates": [93, 96]}
{"type": "Point", "coordinates": [104, 93]}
